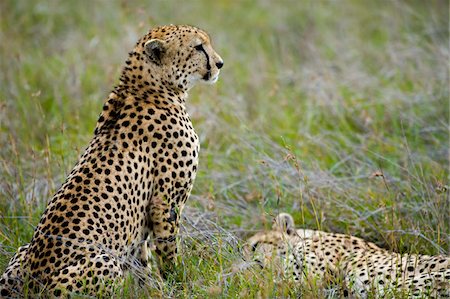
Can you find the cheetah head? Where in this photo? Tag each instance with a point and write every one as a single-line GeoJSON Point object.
{"type": "Point", "coordinates": [262, 247]}
{"type": "Point", "coordinates": [175, 56]}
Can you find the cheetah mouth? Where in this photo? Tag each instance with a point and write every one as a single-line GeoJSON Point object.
{"type": "Point", "coordinates": [209, 78]}
{"type": "Point", "coordinates": [214, 79]}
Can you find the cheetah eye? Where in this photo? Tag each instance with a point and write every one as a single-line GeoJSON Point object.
{"type": "Point", "coordinates": [199, 47]}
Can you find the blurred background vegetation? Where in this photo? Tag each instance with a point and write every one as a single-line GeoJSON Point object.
{"type": "Point", "coordinates": [335, 111]}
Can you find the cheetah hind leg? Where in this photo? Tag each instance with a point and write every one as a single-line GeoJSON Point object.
{"type": "Point", "coordinates": [96, 276]}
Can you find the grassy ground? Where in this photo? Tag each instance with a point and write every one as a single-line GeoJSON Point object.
{"type": "Point", "coordinates": [337, 112]}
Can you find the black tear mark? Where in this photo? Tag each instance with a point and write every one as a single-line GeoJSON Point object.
{"type": "Point", "coordinates": [208, 65]}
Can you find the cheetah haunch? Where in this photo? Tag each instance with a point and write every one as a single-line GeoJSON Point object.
{"type": "Point", "coordinates": [132, 181]}
{"type": "Point", "coordinates": [364, 268]}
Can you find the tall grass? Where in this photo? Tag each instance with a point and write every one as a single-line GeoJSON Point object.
{"type": "Point", "coordinates": [337, 112]}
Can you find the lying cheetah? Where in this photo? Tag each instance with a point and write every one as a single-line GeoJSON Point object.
{"type": "Point", "coordinates": [132, 181]}
{"type": "Point", "coordinates": [364, 267]}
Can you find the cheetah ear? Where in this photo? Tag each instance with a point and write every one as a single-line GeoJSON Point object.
{"type": "Point", "coordinates": [155, 50]}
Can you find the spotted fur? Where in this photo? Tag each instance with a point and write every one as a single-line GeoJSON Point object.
{"type": "Point", "coordinates": [132, 181]}
{"type": "Point", "coordinates": [362, 266]}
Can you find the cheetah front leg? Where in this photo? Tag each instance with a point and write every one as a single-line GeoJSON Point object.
{"type": "Point", "coordinates": [165, 222]}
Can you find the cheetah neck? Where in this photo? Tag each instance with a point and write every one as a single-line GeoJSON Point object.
{"type": "Point", "coordinates": [122, 96]}
{"type": "Point", "coordinates": [149, 83]}
{"type": "Point", "coordinates": [159, 94]}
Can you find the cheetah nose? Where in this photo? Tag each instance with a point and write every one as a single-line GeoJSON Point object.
{"type": "Point", "coordinates": [219, 64]}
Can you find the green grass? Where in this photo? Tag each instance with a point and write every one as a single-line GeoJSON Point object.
{"type": "Point", "coordinates": [314, 99]}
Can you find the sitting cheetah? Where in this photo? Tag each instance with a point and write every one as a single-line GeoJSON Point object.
{"type": "Point", "coordinates": [132, 181]}
{"type": "Point", "coordinates": [364, 267]}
